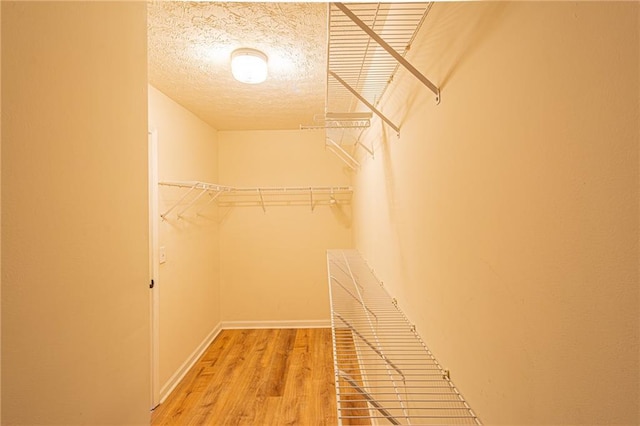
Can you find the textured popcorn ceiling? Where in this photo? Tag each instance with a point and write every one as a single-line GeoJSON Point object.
{"type": "Point", "coordinates": [190, 45]}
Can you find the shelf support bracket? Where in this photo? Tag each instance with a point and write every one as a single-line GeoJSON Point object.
{"type": "Point", "coordinates": [364, 101]}
{"type": "Point", "coordinates": [195, 199]}
{"type": "Point", "coordinates": [343, 155]}
{"type": "Point", "coordinates": [164, 215]}
{"type": "Point", "coordinates": [371, 400]}
{"type": "Point", "coordinates": [264, 209]}
{"type": "Point", "coordinates": [366, 148]}
{"type": "Point", "coordinates": [371, 345]}
{"type": "Point", "coordinates": [213, 198]}
{"type": "Point", "coordinates": [354, 296]}
{"type": "Point", "coordinates": [398, 57]}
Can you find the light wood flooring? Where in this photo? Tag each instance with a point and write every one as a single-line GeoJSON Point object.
{"type": "Point", "coordinates": [257, 377]}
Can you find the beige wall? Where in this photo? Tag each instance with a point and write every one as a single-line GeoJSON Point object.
{"type": "Point", "coordinates": [505, 219]}
{"type": "Point", "coordinates": [188, 283]}
{"type": "Point", "coordinates": [273, 264]}
{"type": "Point", "coordinates": [75, 297]}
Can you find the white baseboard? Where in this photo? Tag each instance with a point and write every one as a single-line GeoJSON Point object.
{"type": "Point", "coordinates": [177, 377]}
{"type": "Point", "coordinates": [231, 325]}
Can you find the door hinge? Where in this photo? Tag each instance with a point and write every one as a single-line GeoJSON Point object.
{"type": "Point", "coordinates": [152, 284]}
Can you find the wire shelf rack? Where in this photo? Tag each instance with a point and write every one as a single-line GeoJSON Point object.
{"type": "Point", "coordinates": [358, 59]}
{"type": "Point", "coordinates": [229, 196]}
{"type": "Point", "coordinates": [384, 373]}
{"type": "Point", "coordinates": [367, 43]}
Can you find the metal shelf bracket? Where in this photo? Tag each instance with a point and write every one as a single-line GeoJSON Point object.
{"type": "Point", "coordinates": [342, 154]}
{"type": "Point", "coordinates": [362, 99]}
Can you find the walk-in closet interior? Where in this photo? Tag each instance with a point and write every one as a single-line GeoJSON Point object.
{"type": "Point", "coordinates": [409, 213]}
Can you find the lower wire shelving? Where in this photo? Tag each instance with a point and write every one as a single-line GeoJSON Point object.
{"type": "Point", "coordinates": [384, 373]}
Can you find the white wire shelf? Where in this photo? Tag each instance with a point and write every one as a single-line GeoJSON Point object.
{"type": "Point", "coordinates": [229, 196]}
{"type": "Point", "coordinates": [366, 45]}
{"type": "Point", "coordinates": [358, 58]}
{"type": "Point", "coordinates": [340, 121]}
{"type": "Point", "coordinates": [384, 373]}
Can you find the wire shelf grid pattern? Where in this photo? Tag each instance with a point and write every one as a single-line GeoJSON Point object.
{"type": "Point", "coordinates": [358, 59]}
{"type": "Point", "coordinates": [384, 373]}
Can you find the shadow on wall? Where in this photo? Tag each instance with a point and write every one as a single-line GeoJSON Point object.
{"type": "Point", "coordinates": [387, 164]}
{"type": "Point", "coordinates": [224, 213]}
{"type": "Point", "coordinates": [465, 29]}
{"type": "Point", "coordinates": [398, 252]}
{"type": "Point", "coordinates": [181, 215]}
{"type": "Point", "coordinates": [342, 215]}
{"type": "Point", "coordinates": [452, 32]}
{"type": "Point", "coordinates": [341, 212]}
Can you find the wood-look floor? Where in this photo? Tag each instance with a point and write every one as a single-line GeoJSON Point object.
{"type": "Point", "coordinates": [257, 377]}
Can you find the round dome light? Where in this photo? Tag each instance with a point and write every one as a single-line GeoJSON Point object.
{"type": "Point", "coordinates": [249, 66]}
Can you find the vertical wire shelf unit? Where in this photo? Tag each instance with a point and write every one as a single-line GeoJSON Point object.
{"type": "Point", "coordinates": [384, 373]}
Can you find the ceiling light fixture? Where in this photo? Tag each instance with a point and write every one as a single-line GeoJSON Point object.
{"type": "Point", "coordinates": [249, 66]}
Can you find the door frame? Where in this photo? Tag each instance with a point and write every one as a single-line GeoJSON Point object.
{"type": "Point", "coordinates": [154, 266]}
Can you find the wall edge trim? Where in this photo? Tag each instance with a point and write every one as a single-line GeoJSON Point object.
{"type": "Point", "coordinates": [182, 371]}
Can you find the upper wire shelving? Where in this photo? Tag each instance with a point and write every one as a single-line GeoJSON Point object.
{"type": "Point", "coordinates": [367, 44]}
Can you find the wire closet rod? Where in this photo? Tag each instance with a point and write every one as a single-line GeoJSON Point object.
{"type": "Point", "coordinates": [315, 194]}
{"type": "Point", "coordinates": [216, 187]}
